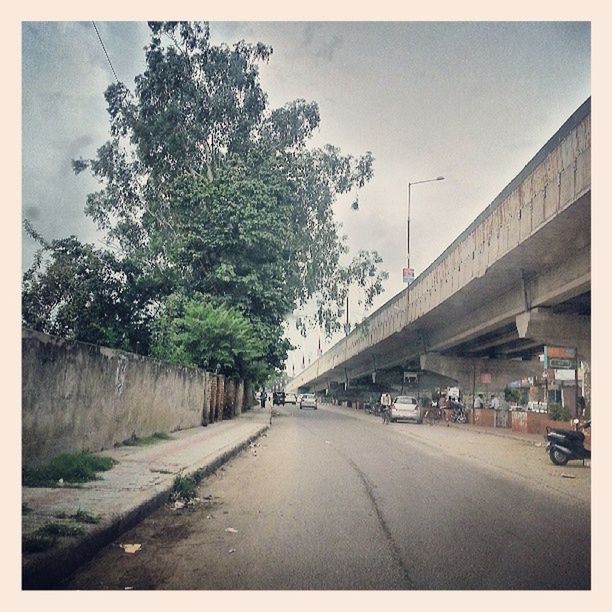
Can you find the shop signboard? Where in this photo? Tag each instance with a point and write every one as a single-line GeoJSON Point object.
{"type": "Point", "coordinates": [560, 358]}
{"type": "Point", "coordinates": [485, 378]}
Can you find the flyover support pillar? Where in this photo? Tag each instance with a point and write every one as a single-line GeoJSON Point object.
{"type": "Point", "coordinates": [559, 329]}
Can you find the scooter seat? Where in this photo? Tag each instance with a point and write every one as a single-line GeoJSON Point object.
{"type": "Point", "coordinates": [568, 434]}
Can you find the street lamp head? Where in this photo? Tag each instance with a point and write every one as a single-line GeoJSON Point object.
{"type": "Point", "coordinates": [440, 178]}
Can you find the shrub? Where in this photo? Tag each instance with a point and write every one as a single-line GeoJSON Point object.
{"type": "Point", "coordinates": [184, 488]}
{"type": "Point", "coordinates": [557, 412]}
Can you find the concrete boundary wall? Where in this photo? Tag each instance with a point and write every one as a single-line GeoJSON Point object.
{"type": "Point", "coordinates": [79, 396]}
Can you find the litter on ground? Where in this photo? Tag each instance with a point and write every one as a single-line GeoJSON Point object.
{"type": "Point", "coordinates": [131, 548]}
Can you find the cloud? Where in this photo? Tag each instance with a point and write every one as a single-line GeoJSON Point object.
{"type": "Point", "coordinates": [317, 41]}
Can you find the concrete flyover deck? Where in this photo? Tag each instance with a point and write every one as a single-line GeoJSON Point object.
{"type": "Point", "coordinates": [517, 278]}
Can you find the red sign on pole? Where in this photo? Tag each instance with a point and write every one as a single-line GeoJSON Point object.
{"type": "Point", "coordinates": [408, 275]}
{"type": "Point", "coordinates": [485, 378]}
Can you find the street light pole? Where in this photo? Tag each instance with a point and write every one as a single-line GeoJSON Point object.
{"type": "Point", "coordinates": [410, 184]}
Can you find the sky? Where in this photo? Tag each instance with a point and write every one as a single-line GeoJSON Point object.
{"type": "Point", "coordinates": [470, 101]}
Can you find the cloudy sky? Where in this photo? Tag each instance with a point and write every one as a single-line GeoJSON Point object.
{"type": "Point", "coordinates": [471, 101]}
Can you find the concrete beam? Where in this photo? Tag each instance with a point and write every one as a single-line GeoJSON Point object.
{"type": "Point", "coordinates": [545, 326]}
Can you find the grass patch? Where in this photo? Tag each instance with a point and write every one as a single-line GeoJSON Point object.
{"type": "Point", "coordinates": [80, 516]}
{"type": "Point", "coordinates": [69, 467]}
{"type": "Point", "coordinates": [158, 436]}
{"type": "Point", "coordinates": [36, 542]}
{"type": "Point", "coordinates": [60, 529]}
{"type": "Point", "coordinates": [184, 488]}
{"type": "Point", "coordinates": [46, 537]}
{"type": "Point", "coordinates": [185, 485]}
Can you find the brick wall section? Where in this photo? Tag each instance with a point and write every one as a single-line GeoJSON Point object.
{"type": "Point", "coordinates": [230, 398]}
{"type": "Point", "coordinates": [206, 403]}
{"type": "Point", "coordinates": [484, 417]}
{"type": "Point", "coordinates": [213, 398]}
{"type": "Point", "coordinates": [220, 397]}
{"type": "Point", "coordinates": [239, 398]}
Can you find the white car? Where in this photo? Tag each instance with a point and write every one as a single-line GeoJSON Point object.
{"type": "Point", "coordinates": [406, 407]}
{"type": "Point", "coordinates": [308, 400]}
{"type": "Point", "coordinates": [290, 398]}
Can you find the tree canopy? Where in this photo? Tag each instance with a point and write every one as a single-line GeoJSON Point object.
{"type": "Point", "coordinates": [207, 193]}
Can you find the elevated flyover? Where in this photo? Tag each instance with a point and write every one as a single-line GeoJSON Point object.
{"type": "Point", "coordinates": [517, 278]}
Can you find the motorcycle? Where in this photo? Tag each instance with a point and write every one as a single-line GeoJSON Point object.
{"type": "Point", "coordinates": [564, 445]}
{"type": "Point", "coordinates": [458, 415]}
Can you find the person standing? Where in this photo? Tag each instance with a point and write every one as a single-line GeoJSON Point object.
{"type": "Point", "coordinates": [478, 402]}
{"type": "Point", "coordinates": [495, 402]}
{"type": "Point", "coordinates": [385, 402]}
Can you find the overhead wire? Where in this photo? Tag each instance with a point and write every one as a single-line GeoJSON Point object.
{"type": "Point", "coordinates": [105, 52]}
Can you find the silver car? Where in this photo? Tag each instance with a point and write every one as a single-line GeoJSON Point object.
{"type": "Point", "coordinates": [406, 407]}
{"type": "Point", "coordinates": [290, 398]}
{"type": "Point", "coordinates": [308, 400]}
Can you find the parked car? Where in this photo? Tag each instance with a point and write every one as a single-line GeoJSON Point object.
{"type": "Point", "coordinates": [406, 407]}
{"type": "Point", "coordinates": [308, 400]}
{"type": "Point", "coordinates": [290, 398]}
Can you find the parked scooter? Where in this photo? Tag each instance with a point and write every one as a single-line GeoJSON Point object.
{"type": "Point", "coordinates": [564, 445]}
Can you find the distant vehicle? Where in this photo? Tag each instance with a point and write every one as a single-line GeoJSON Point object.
{"type": "Point", "coordinates": [290, 398]}
{"type": "Point", "coordinates": [406, 407]}
{"type": "Point", "coordinates": [278, 398]}
{"type": "Point", "coordinates": [308, 400]}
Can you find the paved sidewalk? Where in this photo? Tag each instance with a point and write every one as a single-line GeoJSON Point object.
{"type": "Point", "coordinates": [501, 431]}
{"type": "Point", "coordinates": [139, 483]}
{"type": "Point", "coordinates": [494, 431]}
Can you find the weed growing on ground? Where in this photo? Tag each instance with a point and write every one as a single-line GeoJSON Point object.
{"type": "Point", "coordinates": [59, 529]}
{"type": "Point", "coordinates": [158, 436]}
{"type": "Point", "coordinates": [46, 537]}
{"type": "Point", "coordinates": [81, 516]}
{"type": "Point", "coordinates": [198, 475]}
{"type": "Point", "coordinates": [68, 467]}
{"type": "Point", "coordinates": [184, 488]}
{"type": "Point", "coordinates": [25, 509]}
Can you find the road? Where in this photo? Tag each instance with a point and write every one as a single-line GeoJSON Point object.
{"type": "Point", "coordinates": [333, 499]}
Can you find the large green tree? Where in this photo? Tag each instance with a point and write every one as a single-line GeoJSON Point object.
{"type": "Point", "coordinates": [208, 192]}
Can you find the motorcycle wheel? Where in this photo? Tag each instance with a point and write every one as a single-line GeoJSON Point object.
{"type": "Point", "coordinates": [462, 418]}
{"type": "Point", "coordinates": [557, 457]}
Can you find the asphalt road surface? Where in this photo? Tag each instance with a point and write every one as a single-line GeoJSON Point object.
{"type": "Point", "coordinates": [333, 499]}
